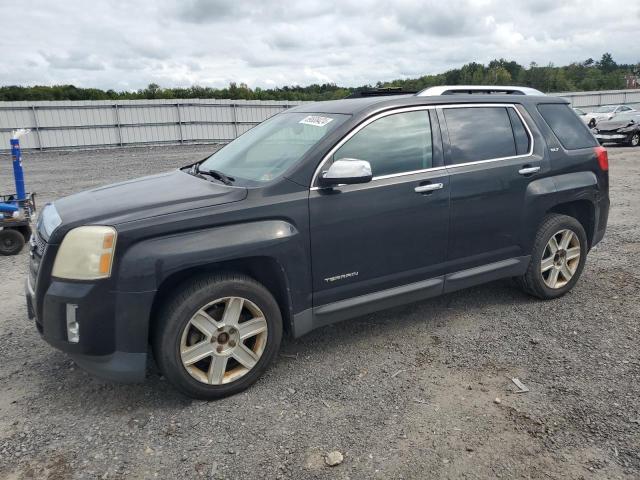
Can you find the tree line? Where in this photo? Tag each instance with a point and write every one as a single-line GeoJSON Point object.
{"type": "Point", "coordinates": [587, 75]}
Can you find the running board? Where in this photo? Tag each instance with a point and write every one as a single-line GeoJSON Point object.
{"type": "Point", "coordinates": [311, 319]}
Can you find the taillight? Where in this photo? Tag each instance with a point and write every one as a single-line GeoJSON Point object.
{"type": "Point", "coordinates": [603, 157]}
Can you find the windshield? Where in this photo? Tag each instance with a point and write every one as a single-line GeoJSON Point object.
{"type": "Point", "coordinates": [268, 149]}
{"type": "Point", "coordinates": [605, 109]}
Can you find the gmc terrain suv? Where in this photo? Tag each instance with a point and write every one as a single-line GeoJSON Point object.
{"type": "Point", "coordinates": [324, 212]}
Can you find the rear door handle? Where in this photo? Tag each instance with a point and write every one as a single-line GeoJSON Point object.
{"type": "Point", "coordinates": [528, 170]}
{"type": "Point", "coordinates": [429, 187]}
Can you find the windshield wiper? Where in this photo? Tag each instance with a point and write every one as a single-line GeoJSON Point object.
{"type": "Point", "coordinates": [217, 175]}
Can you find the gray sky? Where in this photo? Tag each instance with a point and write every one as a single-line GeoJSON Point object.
{"type": "Point", "coordinates": [125, 44]}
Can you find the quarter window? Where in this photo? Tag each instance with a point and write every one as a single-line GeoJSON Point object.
{"type": "Point", "coordinates": [396, 143]}
{"type": "Point", "coordinates": [569, 129]}
{"type": "Point", "coordinates": [481, 133]}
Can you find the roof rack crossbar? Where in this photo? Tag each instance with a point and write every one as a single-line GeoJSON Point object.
{"type": "Point", "coordinates": [380, 92]}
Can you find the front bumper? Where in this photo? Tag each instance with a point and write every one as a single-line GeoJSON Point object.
{"type": "Point", "coordinates": [113, 326]}
{"type": "Point", "coordinates": [618, 137]}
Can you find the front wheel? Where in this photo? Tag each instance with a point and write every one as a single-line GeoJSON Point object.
{"type": "Point", "coordinates": [217, 335]}
{"type": "Point", "coordinates": [634, 140]}
{"type": "Point", "coordinates": [558, 257]}
{"type": "Point", "coordinates": [592, 123]}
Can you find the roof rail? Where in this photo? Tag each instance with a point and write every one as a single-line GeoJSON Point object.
{"type": "Point", "coordinates": [380, 92]}
{"type": "Point", "coordinates": [478, 89]}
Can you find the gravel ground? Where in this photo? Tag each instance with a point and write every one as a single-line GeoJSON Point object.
{"type": "Point", "coordinates": [421, 391]}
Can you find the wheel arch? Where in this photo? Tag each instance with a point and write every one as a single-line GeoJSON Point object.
{"type": "Point", "coordinates": [581, 210]}
{"type": "Point", "coordinates": [263, 269]}
{"type": "Point", "coordinates": [574, 194]}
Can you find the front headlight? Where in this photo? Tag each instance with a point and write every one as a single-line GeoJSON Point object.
{"type": "Point", "coordinates": [86, 253]}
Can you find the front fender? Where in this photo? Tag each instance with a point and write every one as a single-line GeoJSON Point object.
{"type": "Point", "coordinates": [145, 265]}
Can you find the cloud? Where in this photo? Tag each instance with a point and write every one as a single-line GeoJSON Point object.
{"type": "Point", "coordinates": [74, 61]}
{"type": "Point", "coordinates": [205, 11]}
{"type": "Point", "coordinates": [127, 44]}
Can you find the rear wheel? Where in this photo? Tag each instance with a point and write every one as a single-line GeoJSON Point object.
{"type": "Point", "coordinates": [11, 241]}
{"type": "Point", "coordinates": [217, 335]}
{"type": "Point", "coordinates": [634, 140]}
{"type": "Point", "coordinates": [558, 257]}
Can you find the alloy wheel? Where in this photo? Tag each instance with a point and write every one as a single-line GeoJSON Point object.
{"type": "Point", "coordinates": [560, 259]}
{"type": "Point", "coordinates": [635, 140]}
{"type": "Point", "coordinates": [223, 340]}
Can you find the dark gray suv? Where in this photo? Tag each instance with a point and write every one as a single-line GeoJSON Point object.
{"type": "Point", "coordinates": [321, 213]}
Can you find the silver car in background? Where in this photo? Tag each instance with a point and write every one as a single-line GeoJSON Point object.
{"type": "Point", "coordinates": [605, 112]}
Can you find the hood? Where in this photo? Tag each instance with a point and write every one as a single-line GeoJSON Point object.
{"type": "Point", "coordinates": [617, 123]}
{"type": "Point", "coordinates": [144, 197]}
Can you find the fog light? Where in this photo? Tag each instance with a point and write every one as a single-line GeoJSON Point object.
{"type": "Point", "coordinates": [73, 328]}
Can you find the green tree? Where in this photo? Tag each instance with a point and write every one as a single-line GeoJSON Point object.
{"type": "Point", "coordinates": [607, 64]}
{"type": "Point", "coordinates": [584, 75]}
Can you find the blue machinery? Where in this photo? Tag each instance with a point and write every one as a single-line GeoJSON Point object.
{"type": "Point", "coordinates": [16, 209]}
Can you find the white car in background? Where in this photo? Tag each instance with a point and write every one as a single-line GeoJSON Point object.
{"type": "Point", "coordinates": [605, 112]}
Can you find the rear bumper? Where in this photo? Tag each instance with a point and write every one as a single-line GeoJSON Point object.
{"type": "Point", "coordinates": [112, 326]}
{"type": "Point", "coordinates": [602, 217]}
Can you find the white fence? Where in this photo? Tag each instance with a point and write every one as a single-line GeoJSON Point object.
{"type": "Point", "coordinates": [92, 124]}
{"type": "Point", "coordinates": [95, 124]}
{"type": "Point", "coordinates": [608, 97]}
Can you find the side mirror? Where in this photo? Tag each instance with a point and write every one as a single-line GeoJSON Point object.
{"type": "Point", "coordinates": [346, 171]}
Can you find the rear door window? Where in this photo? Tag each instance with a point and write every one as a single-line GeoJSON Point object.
{"type": "Point", "coordinates": [570, 130]}
{"type": "Point", "coordinates": [523, 142]}
{"type": "Point", "coordinates": [480, 133]}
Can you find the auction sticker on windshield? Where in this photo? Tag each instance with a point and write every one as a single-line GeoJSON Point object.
{"type": "Point", "coordinates": [315, 120]}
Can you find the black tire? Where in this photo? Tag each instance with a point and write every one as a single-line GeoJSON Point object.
{"type": "Point", "coordinates": [176, 313]}
{"type": "Point", "coordinates": [26, 232]}
{"type": "Point", "coordinates": [532, 282]}
{"type": "Point", "coordinates": [592, 123]}
{"type": "Point", "coordinates": [11, 241]}
{"type": "Point", "coordinates": [634, 139]}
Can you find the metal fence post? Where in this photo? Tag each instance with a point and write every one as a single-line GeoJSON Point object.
{"type": "Point", "coordinates": [118, 123]}
{"type": "Point", "coordinates": [179, 122]}
{"type": "Point", "coordinates": [234, 119]}
{"type": "Point", "coordinates": [37, 125]}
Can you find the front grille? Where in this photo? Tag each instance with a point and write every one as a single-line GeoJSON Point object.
{"type": "Point", "coordinates": [34, 266]}
{"type": "Point", "coordinates": [37, 249]}
{"type": "Point", "coordinates": [37, 244]}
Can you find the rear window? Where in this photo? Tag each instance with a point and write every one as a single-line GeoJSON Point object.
{"type": "Point", "coordinates": [569, 129]}
{"type": "Point", "coordinates": [479, 133]}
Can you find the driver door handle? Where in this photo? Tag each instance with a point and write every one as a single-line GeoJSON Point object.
{"type": "Point", "coordinates": [430, 187]}
{"type": "Point", "coordinates": [528, 170]}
